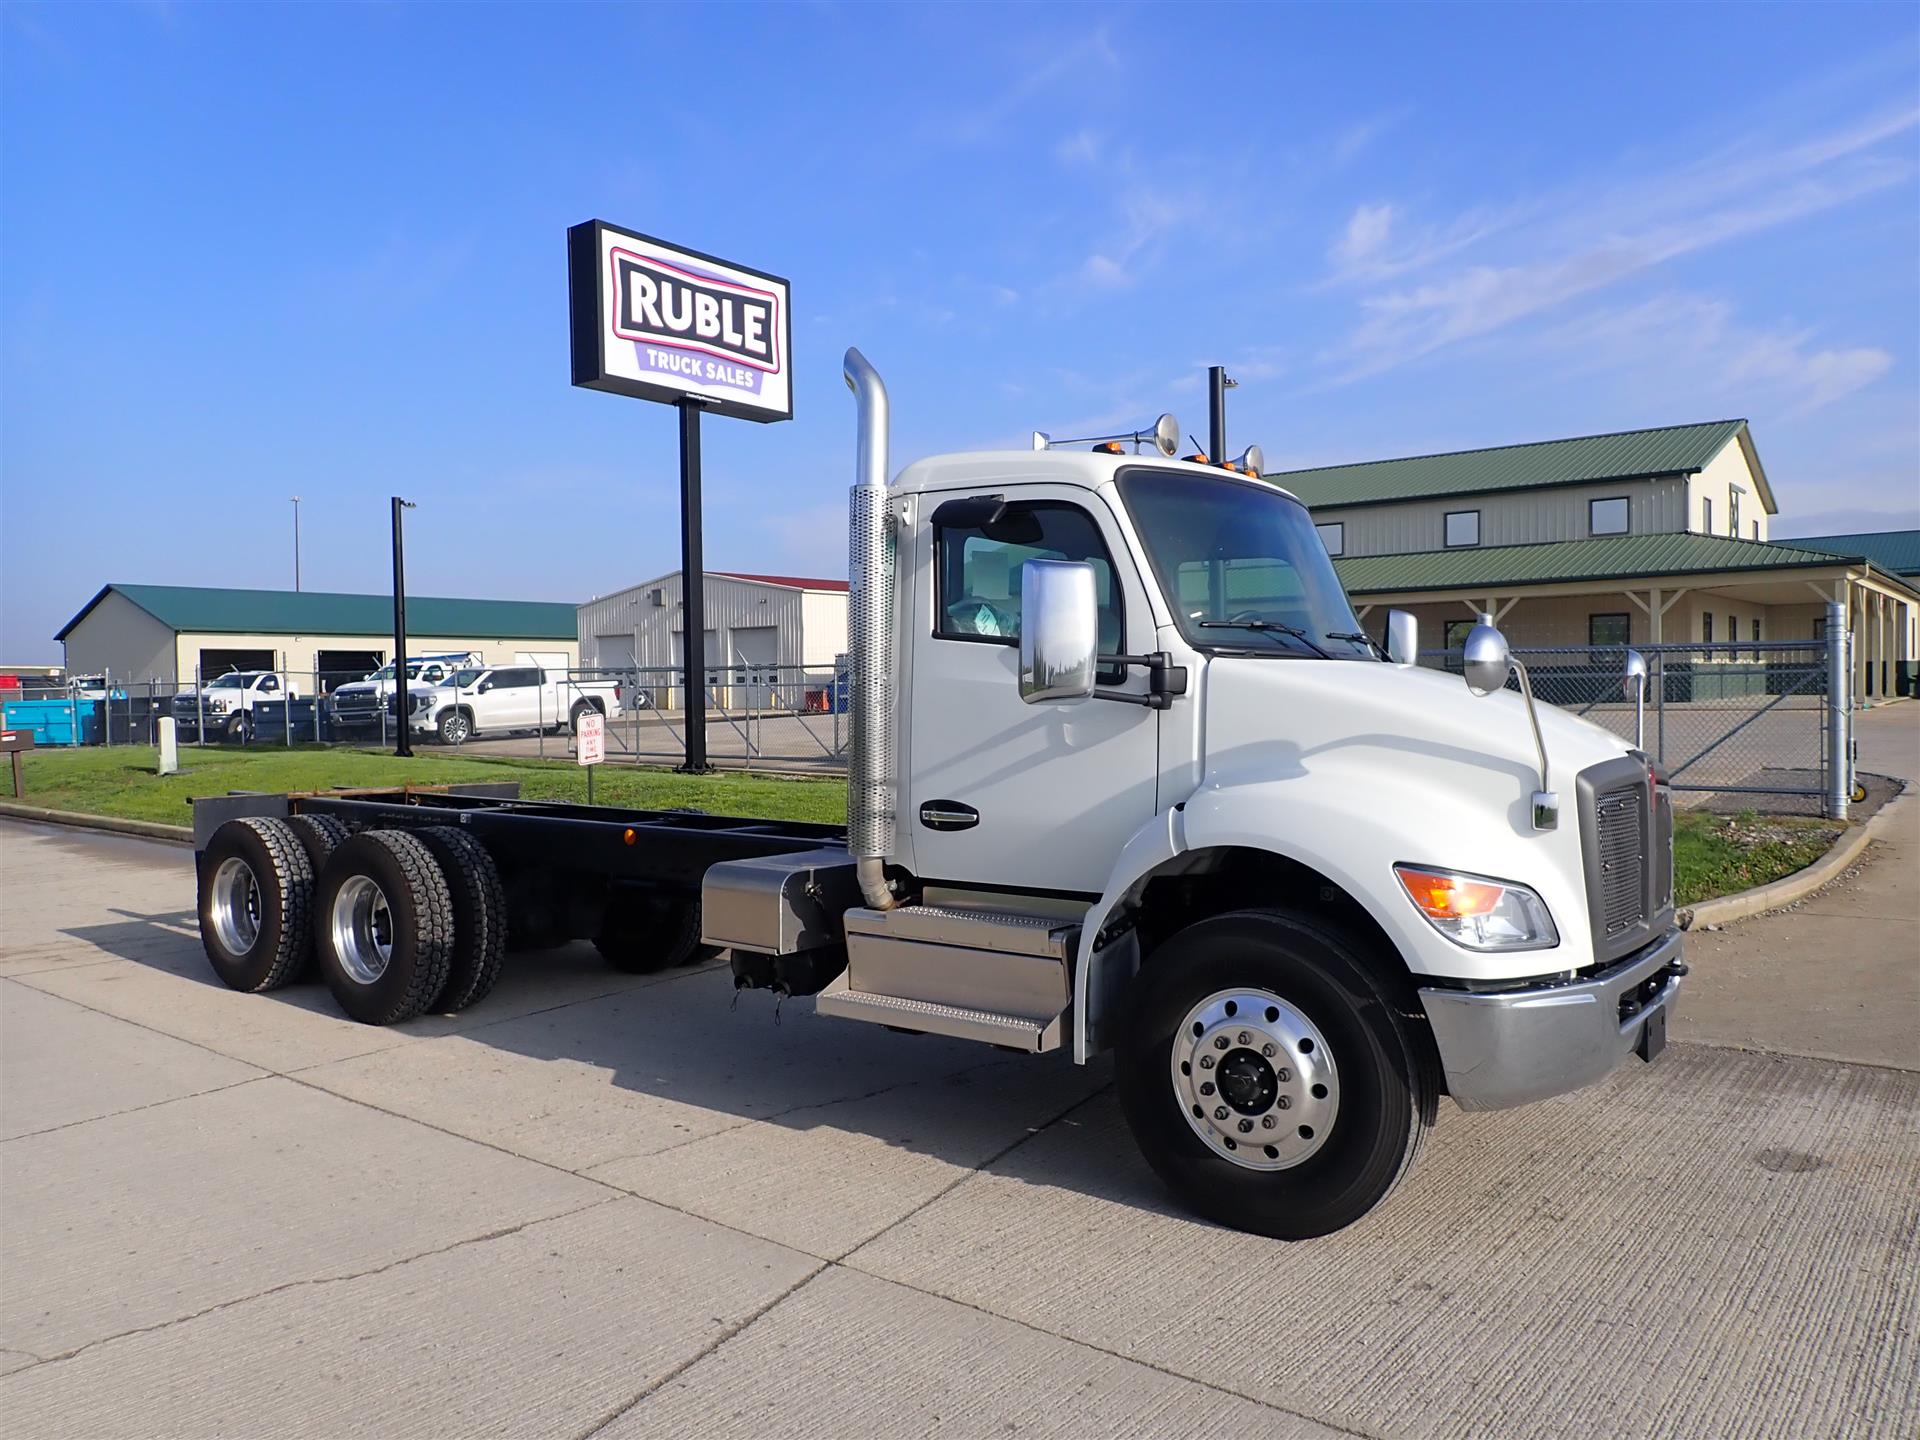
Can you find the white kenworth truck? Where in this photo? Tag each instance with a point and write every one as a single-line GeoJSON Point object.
{"type": "Point", "coordinates": [1126, 776]}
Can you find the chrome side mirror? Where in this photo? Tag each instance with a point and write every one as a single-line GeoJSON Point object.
{"type": "Point", "coordinates": [1487, 660]}
{"type": "Point", "coordinates": [1403, 638]}
{"type": "Point", "coordinates": [1635, 684]}
{"type": "Point", "coordinates": [1059, 631]}
{"type": "Point", "coordinates": [1635, 681]}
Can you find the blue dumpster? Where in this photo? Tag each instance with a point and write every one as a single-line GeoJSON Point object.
{"type": "Point", "coordinates": [56, 722]}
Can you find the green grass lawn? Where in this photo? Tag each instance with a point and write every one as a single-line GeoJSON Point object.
{"type": "Point", "coordinates": [1712, 854]}
{"type": "Point", "coordinates": [1721, 854]}
{"type": "Point", "coordinates": [122, 782]}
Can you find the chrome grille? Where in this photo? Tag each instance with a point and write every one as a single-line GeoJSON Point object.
{"type": "Point", "coordinates": [1622, 830]}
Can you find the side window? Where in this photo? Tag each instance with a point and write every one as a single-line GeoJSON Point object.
{"type": "Point", "coordinates": [979, 574]}
{"type": "Point", "coordinates": [521, 677]}
{"type": "Point", "coordinates": [268, 685]}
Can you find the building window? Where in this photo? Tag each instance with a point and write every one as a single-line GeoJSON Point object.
{"type": "Point", "coordinates": [1607, 517]}
{"type": "Point", "coordinates": [1334, 537]}
{"type": "Point", "coordinates": [1706, 514]}
{"type": "Point", "coordinates": [1463, 528]}
{"type": "Point", "coordinates": [1733, 513]}
{"type": "Point", "coordinates": [1706, 627]}
{"type": "Point", "coordinates": [1607, 630]}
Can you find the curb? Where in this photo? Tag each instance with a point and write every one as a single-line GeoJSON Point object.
{"type": "Point", "coordinates": [1802, 882]}
{"type": "Point", "coordinates": [144, 829]}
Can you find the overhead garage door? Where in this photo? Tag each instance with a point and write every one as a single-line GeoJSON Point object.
{"type": "Point", "coordinates": [755, 649]}
{"type": "Point", "coordinates": [214, 663]}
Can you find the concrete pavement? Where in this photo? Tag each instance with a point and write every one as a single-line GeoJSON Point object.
{"type": "Point", "coordinates": [615, 1206]}
{"type": "Point", "coordinates": [1836, 975]}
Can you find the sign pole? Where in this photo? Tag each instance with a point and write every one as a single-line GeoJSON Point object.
{"type": "Point", "coordinates": [693, 586]}
{"type": "Point", "coordinates": [401, 698]}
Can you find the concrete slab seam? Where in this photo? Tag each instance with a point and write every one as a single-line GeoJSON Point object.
{"type": "Point", "coordinates": [675, 1372]}
{"type": "Point", "coordinates": [136, 1109]}
{"type": "Point", "coordinates": [314, 1281]}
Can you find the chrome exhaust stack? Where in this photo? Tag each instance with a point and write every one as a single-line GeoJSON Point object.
{"type": "Point", "coordinates": [872, 791]}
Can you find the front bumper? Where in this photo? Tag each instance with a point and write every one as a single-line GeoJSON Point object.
{"type": "Point", "coordinates": [1516, 1046]}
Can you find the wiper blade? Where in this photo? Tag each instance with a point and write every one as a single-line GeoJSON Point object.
{"type": "Point", "coordinates": [1359, 637]}
{"type": "Point", "coordinates": [1266, 627]}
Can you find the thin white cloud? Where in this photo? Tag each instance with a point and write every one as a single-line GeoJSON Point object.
{"type": "Point", "coordinates": [1368, 231]}
{"type": "Point", "coordinates": [1693, 346]}
{"type": "Point", "coordinates": [1079, 149]}
{"type": "Point", "coordinates": [1572, 243]}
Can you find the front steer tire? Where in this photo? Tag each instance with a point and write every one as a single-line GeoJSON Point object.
{"type": "Point", "coordinates": [479, 916]}
{"type": "Point", "coordinates": [1386, 1095]}
{"type": "Point", "coordinates": [256, 904]}
{"type": "Point", "coordinates": [384, 918]}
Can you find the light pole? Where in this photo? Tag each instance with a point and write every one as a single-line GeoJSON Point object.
{"type": "Point", "coordinates": [296, 544]}
{"type": "Point", "coordinates": [402, 699]}
{"type": "Point", "coordinates": [1217, 386]}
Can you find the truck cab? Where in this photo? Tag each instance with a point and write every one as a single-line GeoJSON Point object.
{"type": "Point", "coordinates": [1136, 779]}
{"type": "Point", "coordinates": [224, 706]}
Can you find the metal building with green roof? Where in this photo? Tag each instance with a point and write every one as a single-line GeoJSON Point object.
{"type": "Point", "coordinates": [169, 633]}
{"type": "Point", "coordinates": [1649, 536]}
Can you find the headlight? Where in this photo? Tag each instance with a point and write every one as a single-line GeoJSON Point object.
{"type": "Point", "coordinates": [421, 702]}
{"type": "Point", "coordinates": [1479, 913]}
{"type": "Point", "coordinates": [217, 706]}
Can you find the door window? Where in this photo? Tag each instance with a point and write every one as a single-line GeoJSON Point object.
{"type": "Point", "coordinates": [979, 573]}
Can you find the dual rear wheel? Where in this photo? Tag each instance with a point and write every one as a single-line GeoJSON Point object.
{"type": "Point", "coordinates": [399, 921]}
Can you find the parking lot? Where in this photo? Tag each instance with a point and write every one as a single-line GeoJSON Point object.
{"type": "Point", "coordinates": [622, 1206]}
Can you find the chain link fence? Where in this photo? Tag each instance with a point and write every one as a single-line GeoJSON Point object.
{"type": "Point", "coordinates": [1736, 720]}
{"type": "Point", "coordinates": [758, 716]}
{"type": "Point", "coordinates": [1747, 720]}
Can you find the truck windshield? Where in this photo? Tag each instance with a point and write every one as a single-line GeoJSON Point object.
{"type": "Point", "coordinates": [1242, 565]}
{"type": "Point", "coordinates": [230, 682]}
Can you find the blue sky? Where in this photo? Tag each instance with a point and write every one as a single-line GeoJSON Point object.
{"type": "Point", "coordinates": [252, 252]}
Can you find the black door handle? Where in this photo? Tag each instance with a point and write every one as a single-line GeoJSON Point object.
{"type": "Point", "coordinates": [948, 815]}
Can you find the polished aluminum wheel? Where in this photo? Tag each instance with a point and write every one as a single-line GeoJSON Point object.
{"type": "Point", "coordinates": [1256, 1079]}
{"type": "Point", "coordinates": [235, 906]}
{"type": "Point", "coordinates": [362, 928]}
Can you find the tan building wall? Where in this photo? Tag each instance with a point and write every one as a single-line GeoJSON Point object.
{"type": "Point", "coordinates": [1715, 484]}
{"type": "Point", "coordinates": [1526, 517]}
{"type": "Point", "coordinates": [121, 639]}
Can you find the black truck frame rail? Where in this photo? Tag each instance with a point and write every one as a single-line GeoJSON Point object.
{"type": "Point", "coordinates": [673, 848]}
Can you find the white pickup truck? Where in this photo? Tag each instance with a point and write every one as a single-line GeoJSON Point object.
{"type": "Point", "coordinates": [496, 698]}
{"type": "Point", "coordinates": [225, 706]}
{"type": "Point", "coordinates": [358, 704]}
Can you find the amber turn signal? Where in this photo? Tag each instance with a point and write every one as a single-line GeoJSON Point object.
{"type": "Point", "coordinates": [1441, 896]}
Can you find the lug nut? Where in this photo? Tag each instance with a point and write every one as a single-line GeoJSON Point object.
{"type": "Point", "coordinates": [1220, 1042]}
{"type": "Point", "coordinates": [1245, 1125]}
{"type": "Point", "coordinates": [1283, 1075]}
{"type": "Point", "coordinates": [1267, 1122]}
{"type": "Point", "coordinates": [1283, 1103]}
{"type": "Point", "coordinates": [1220, 1112]}
{"type": "Point", "coordinates": [1244, 1038]}
{"type": "Point", "coordinates": [1269, 1049]}
{"type": "Point", "coordinates": [1206, 1087]}
{"type": "Point", "coordinates": [1206, 1062]}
